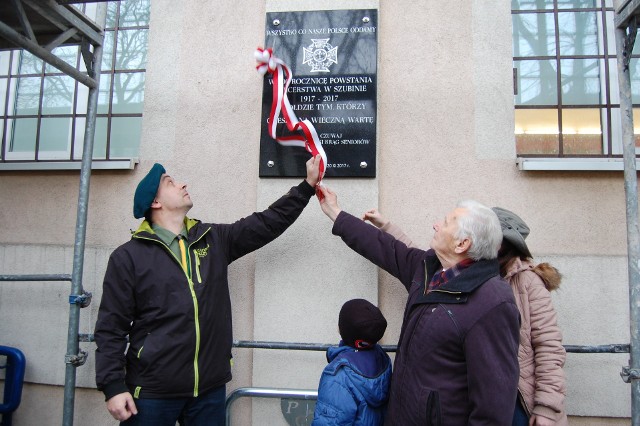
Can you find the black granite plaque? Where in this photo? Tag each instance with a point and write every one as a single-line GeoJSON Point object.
{"type": "Point", "coordinates": [333, 57]}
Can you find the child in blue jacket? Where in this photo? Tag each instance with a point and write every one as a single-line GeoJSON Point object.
{"type": "Point", "coordinates": [354, 387]}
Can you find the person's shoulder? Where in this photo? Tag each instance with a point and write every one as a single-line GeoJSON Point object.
{"type": "Point", "coordinates": [125, 253]}
{"type": "Point", "coordinates": [497, 289]}
{"type": "Point", "coordinates": [127, 245]}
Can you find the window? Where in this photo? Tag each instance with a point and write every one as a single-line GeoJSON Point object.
{"type": "Point", "coordinates": [43, 111]}
{"type": "Point", "coordinates": [566, 80]}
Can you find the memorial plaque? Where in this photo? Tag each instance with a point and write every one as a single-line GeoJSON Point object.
{"type": "Point", "coordinates": [333, 58]}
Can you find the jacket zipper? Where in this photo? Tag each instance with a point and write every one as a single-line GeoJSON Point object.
{"type": "Point", "coordinates": [196, 369]}
{"type": "Point", "coordinates": [196, 373]}
{"type": "Point", "coordinates": [198, 267]}
{"type": "Point", "coordinates": [437, 290]}
{"type": "Point", "coordinates": [424, 262]}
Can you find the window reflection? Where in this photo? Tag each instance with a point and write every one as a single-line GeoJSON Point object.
{"type": "Point", "coordinates": [132, 49]}
{"type": "Point", "coordinates": [55, 138]}
{"type": "Point", "coordinates": [112, 14]}
{"type": "Point", "coordinates": [27, 95]}
{"type": "Point", "coordinates": [534, 34]}
{"type": "Point", "coordinates": [537, 83]}
{"type": "Point", "coordinates": [576, 4]}
{"type": "Point", "coordinates": [531, 4]}
{"type": "Point", "coordinates": [134, 13]}
{"type": "Point", "coordinates": [26, 63]}
{"type": "Point", "coordinates": [5, 58]}
{"type": "Point", "coordinates": [107, 51]}
{"type": "Point", "coordinates": [128, 93]}
{"type": "Point", "coordinates": [57, 95]}
{"type": "Point", "coordinates": [3, 98]}
{"type": "Point", "coordinates": [578, 33]}
{"type": "Point", "coordinates": [580, 81]}
{"type": "Point", "coordinates": [634, 74]}
{"type": "Point", "coordinates": [68, 54]}
{"type": "Point", "coordinates": [22, 134]}
{"type": "Point", "coordinates": [125, 137]}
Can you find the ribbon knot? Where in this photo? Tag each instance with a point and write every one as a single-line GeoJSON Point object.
{"type": "Point", "coordinates": [266, 60]}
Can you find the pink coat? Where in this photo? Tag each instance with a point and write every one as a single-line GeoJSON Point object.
{"type": "Point", "coordinates": [541, 355]}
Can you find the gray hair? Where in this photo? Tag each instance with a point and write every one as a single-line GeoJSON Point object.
{"type": "Point", "coordinates": [481, 225]}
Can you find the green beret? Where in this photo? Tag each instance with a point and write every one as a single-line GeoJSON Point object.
{"type": "Point", "coordinates": [147, 190]}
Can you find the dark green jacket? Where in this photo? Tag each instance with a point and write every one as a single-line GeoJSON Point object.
{"type": "Point", "coordinates": [178, 324]}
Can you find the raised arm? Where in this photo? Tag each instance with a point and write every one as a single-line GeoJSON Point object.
{"type": "Point", "coordinates": [260, 228]}
{"type": "Point", "coordinates": [379, 247]}
{"type": "Point", "coordinates": [380, 221]}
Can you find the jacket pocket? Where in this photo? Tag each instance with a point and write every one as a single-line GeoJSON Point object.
{"type": "Point", "coordinates": [417, 406]}
{"type": "Point", "coordinates": [433, 408]}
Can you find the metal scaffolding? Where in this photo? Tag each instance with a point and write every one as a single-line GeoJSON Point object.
{"type": "Point", "coordinates": [39, 26]}
{"type": "Point", "coordinates": [626, 22]}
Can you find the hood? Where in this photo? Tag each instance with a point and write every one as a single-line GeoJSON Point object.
{"type": "Point", "coordinates": [550, 276]}
{"type": "Point", "coordinates": [369, 371]}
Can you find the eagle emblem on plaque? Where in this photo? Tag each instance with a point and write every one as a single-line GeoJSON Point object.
{"type": "Point", "coordinates": [320, 55]}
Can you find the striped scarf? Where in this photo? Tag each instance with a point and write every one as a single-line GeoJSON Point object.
{"type": "Point", "coordinates": [441, 277]}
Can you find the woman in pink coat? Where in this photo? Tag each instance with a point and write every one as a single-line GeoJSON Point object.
{"type": "Point", "coordinates": [541, 388]}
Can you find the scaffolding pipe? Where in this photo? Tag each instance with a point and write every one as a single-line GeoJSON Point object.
{"type": "Point", "coordinates": [73, 348]}
{"type": "Point", "coordinates": [36, 277]}
{"type": "Point", "coordinates": [633, 236]}
{"type": "Point", "coordinates": [42, 53]}
{"type": "Point", "coordinates": [614, 348]}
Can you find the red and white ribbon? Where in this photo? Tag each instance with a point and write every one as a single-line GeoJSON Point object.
{"type": "Point", "coordinates": [309, 140]}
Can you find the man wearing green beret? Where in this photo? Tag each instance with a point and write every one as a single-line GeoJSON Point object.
{"type": "Point", "coordinates": [163, 332]}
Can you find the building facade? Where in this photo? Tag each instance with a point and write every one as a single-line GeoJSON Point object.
{"type": "Point", "coordinates": [447, 109]}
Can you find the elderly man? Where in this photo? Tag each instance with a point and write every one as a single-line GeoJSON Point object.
{"type": "Point", "coordinates": [166, 290]}
{"type": "Point", "coordinates": [457, 355]}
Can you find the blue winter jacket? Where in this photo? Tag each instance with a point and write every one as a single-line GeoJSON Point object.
{"type": "Point", "coordinates": [354, 387]}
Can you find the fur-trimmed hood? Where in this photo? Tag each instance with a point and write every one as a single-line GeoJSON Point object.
{"type": "Point", "coordinates": [548, 273]}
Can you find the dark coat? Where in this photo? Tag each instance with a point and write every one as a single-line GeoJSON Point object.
{"type": "Point", "coordinates": [457, 355]}
{"type": "Point", "coordinates": [178, 324]}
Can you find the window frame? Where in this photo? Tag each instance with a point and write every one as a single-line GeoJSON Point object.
{"type": "Point", "coordinates": [70, 156]}
{"type": "Point", "coordinates": [610, 156]}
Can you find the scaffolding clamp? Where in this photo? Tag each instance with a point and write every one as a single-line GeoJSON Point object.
{"type": "Point", "coordinates": [628, 374]}
{"type": "Point", "coordinates": [76, 360]}
{"type": "Point", "coordinates": [629, 41]}
{"type": "Point", "coordinates": [83, 299]}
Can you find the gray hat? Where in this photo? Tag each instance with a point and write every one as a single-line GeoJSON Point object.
{"type": "Point", "coordinates": [514, 230]}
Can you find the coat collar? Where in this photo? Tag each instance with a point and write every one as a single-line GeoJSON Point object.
{"type": "Point", "coordinates": [458, 288]}
{"type": "Point", "coordinates": [146, 230]}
